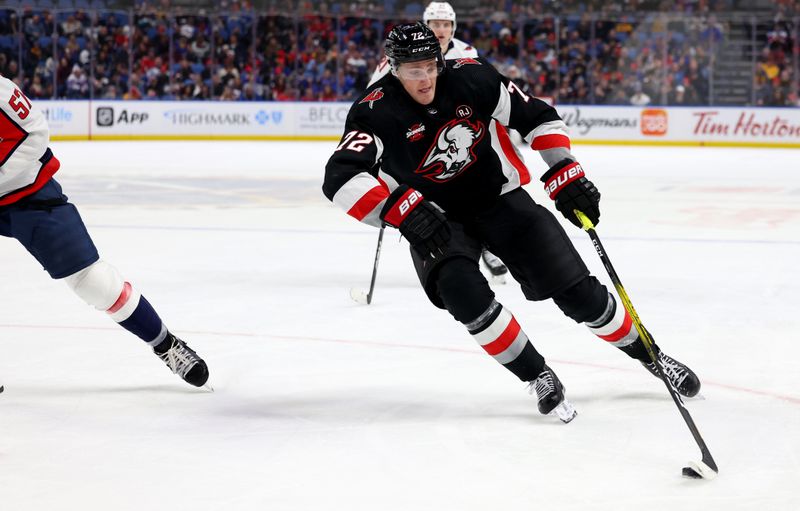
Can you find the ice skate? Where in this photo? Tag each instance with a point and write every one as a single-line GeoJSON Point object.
{"type": "Point", "coordinates": [495, 266]}
{"type": "Point", "coordinates": [550, 394]}
{"type": "Point", "coordinates": [183, 361]}
{"type": "Point", "coordinates": [682, 378]}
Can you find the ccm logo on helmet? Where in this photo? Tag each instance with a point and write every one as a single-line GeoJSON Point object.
{"type": "Point", "coordinates": [409, 201]}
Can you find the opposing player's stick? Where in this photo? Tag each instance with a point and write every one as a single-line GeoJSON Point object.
{"type": "Point", "coordinates": [358, 294]}
{"type": "Point", "coordinates": [706, 468]}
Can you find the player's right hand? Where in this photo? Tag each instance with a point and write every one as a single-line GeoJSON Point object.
{"type": "Point", "coordinates": [568, 187]}
{"type": "Point", "coordinates": [421, 222]}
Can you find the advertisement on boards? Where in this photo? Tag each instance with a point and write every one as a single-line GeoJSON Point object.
{"type": "Point", "coordinates": [67, 119]}
{"type": "Point", "coordinates": [174, 120]}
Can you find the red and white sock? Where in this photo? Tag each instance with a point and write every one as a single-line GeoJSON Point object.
{"type": "Point", "coordinates": [615, 325]}
{"type": "Point", "coordinates": [499, 334]}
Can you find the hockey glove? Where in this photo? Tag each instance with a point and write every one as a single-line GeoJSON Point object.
{"type": "Point", "coordinates": [568, 187]}
{"type": "Point", "coordinates": [421, 222]}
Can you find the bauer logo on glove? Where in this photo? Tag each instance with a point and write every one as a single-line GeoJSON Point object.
{"type": "Point", "coordinates": [567, 185]}
{"type": "Point", "coordinates": [562, 178]}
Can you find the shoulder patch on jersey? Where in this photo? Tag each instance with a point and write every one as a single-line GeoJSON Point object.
{"type": "Point", "coordinates": [465, 62]}
{"type": "Point", "coordinates": [453, 150]}
{"type": "Point", "coordinates": [372, 97]}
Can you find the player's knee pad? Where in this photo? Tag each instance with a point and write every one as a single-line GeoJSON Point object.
{"type": "Point", "coordinates": [463, 289]}
{"type": "Point", "coordinates": [585, 301]}
{"type": "Point", "coordinates": [100, 285]}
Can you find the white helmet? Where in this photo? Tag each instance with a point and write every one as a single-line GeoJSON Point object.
{"type": "Point", "coordinates": [440, 11]}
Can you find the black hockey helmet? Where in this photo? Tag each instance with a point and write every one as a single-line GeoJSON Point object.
{"type": "Point", "coordinates": [412, 42]}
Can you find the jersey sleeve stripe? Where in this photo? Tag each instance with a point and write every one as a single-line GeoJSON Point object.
{"type": "Point", "coordinates": [544, 142]}
{"type": "Point", "coordinates": [509, 151]}
{"type": "Point", "coordinates": [46, 171]}
{"type": "Point", "coordinates": [549, 135]}
{"type": "Point", "coordinates": [359, 192]}
{"type": "Point", "coordinates": [368, 203]}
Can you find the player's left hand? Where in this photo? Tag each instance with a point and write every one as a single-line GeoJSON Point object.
{"type": "Point", "coordinates": [421, 222]}
{"type": "Point", "coordinates": [567, 185]}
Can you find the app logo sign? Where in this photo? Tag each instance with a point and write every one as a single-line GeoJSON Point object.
{"type": "Point", "coordinates": [655, 122]}
{"type": "Point", "coordinates": [106, 117]}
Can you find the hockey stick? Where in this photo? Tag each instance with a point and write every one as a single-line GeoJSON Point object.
{"type": "Point", "coordinates": [358, 294]}
{"type": "Point", "coordinates": [706, 468]}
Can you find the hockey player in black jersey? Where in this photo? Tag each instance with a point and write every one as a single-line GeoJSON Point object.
{"type": "Point", "coordinates": [425, 150]}
{"type": "Point", "coordinates": [441, 17]}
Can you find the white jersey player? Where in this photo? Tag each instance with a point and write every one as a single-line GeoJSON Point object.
{"type": "Point", "coordinates": [441, 18]}
{"type": "Point", "coordinates": [35, 212]}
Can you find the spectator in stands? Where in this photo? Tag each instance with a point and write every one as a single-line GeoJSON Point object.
{"type": "Point", "coordinates": [603, 48]}
{"type": "Point", "coordinates": [639, 97]}
{"type": "Point", "coordinates": [77, 83]}
{"type": "Point", "coordinates": [134, 88]}
{"type": "Point", "coordinates": [328, 93]}
{"type": "Point", "coordinates": [109, 92]}
{"type": "Point", "coordinates": [200, 48]}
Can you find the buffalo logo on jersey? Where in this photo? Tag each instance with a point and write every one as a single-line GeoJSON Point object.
{"type": "Point", "coordinates": [372, 97]}
{"type": "Point", "coordinates": [465, 62]}
{"type": "Point", "coordinates": [452, 152]}
{"type": "Point", "coordinates": [415, 132]}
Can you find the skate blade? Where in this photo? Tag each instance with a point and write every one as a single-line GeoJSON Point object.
{"type": "Point", "coordinates": [208, 387]}
{"type": "Point", "coordinates": [564, 411]}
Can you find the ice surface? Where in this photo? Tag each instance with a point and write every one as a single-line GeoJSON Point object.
{"type": "Point", "coordinates": [321, 403]}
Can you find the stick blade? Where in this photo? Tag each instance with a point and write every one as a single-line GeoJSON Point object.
{"type": "Point", "coordinates": [359, 296]}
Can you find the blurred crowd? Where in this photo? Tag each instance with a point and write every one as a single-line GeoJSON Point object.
{"type": "Point", "coordinates": [588, 52]}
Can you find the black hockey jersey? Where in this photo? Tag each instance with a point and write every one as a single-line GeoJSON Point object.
{"type": "Point", "coordinates": [455, 151]}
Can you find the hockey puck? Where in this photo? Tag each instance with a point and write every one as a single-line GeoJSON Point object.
{"type": "Point", "coordinates": [2, 388]}
{"type": "Point", "coordinates": [699, 470]}
{"type": "Point", "coordinates": [360, 296]}
{"type": "Point", "coordinates": [690, 473]}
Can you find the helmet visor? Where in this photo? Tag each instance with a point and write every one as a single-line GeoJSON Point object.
{"type": "Point", "coordinates": [420, 70]}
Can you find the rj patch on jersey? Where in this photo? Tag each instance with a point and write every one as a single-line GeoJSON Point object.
{"type": "Point", "coordinates": [453, 151]}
